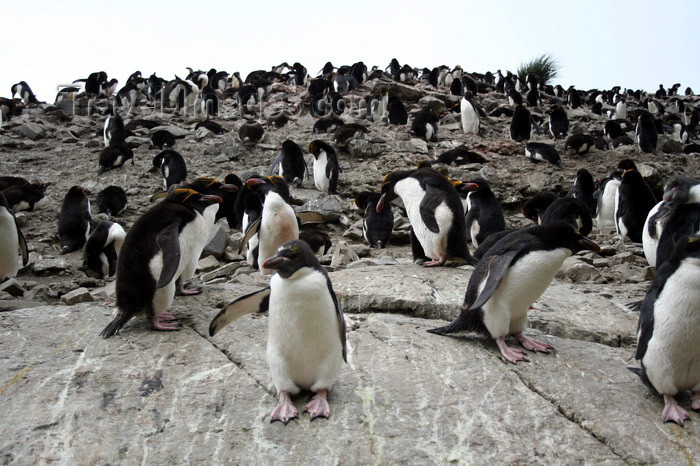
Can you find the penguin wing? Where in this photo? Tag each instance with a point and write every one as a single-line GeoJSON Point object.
{"type": "Point", "coordinates": [249, 233]}
{"type": "Point", "coordinates": [275, 163]}
{"type": "Point", "coordinates": [257, 301]}
{"type": "Point", "coordinates": [341, 320]}
{"type": "Point", "coordinates": [497, 267]}
{"type": "Point", "coordinates": [22, 244]}
{"type": "Point", "coordinates": [430, 202]}
{"type": "Point", "coordinates": [168, 241]}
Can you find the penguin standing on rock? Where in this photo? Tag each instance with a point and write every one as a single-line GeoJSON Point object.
{"type": "Point", "coordinates": [114, 131]}
{"type": "Point", "coordinates": [558, 122]}
{"type": "Point", "coordinates": [484, 212]}
{"type": "Point", "coordinates": [306, 343]}
{"type": "Point", "coordinates": [102, 250]}
{"type": "Point", "coordinates": [438, 230]}
{"type": "Point", "coordinates": [325, 166]}
{"type": "Point", "coordinates": [153, 255]}
{"type": "Point", "coordinates": [396, 111]}
{"type": "Point", "coordinates": [291, 163]}
{"type": "Point", "coordinates": [376, 226]}
{"type": "Point", "coordinates": [645, 133]}
{"type": "Point", "coordinates": [668, 347]}
{"type": "Point", "coordinates": [172, 166]}
{"type": "Point", "coordinates": [469, 115]}
{"type": "Point", "coordinates": [511, 276]}
{"type": "Point", "coordinates": [11, 242]}
{"type": "Point", "coordinates": [521, 124]}
{"type": "Point", "coordinates": [605, 208]}
{"type": "Point", "coordinates": [74, 220]}
{"type": "Point", "coordinates": [583, 190]}
{"type": "Point", "coordinates": [633, 202]}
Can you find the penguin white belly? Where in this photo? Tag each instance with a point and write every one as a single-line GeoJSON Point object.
{"type": "Point", "coordinates": [434, 244]}
{"type": "Point", "coordinates": [428, 131]}
{"type": "Point", "coordinates": [277, 226]}
{"type": "Point", "coordinates": [470, 119]}
{"type": "Point", "coordinates": [648, 243]}
{"type": "Point", "coordinates": [672, 359]}
{"type": "Point", "coordinates": [304, 350]}
{"type": "Point", "coordinates": [201, 229]}
{"type": "Point", "coordinates": [320, 179]}
{"type": "Point", "coordinates": [9, 245]}
{"type": "Point", "coordinates": [522, 285]}
{"type": "Point", "coordinates": [605, 219]}
{"type": "Point", "coordinates": [116, 235]}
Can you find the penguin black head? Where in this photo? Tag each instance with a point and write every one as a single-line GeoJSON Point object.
{"type": "Point", "coordinates": [191, 198]}
{"type": "Point", "coordinates": [291, 257]}
{"type": "Point", "coordinates": [316, 146]}
{"type": "Point", "coordinates": [562, 234]}
{"type": "Point", "coordinates": [627, 164]}
{"type": "Point", "coordinates": [464, 188]}
{"type": "Point", "coordinates": [682, 190]}
{"type": "Point", "coordinates": [274, 183]}
{"type": "Point", "coordinates": [208, 185]}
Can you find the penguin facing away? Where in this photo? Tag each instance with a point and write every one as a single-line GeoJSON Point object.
{"type": "Point", "coordinates": [291, 163]}
{"type": "Point", "coordinates": [633, 202]}
{"type": "Point", "coordinates": [112, 201]}
{"type": "Point", "coordinates": [155, 251]}
{"type": "Point", "coordinates": [509, 278]}
{"type": "Point", "coordinates": [520, 125]}
{"type": "Point", "coordinates": [11, 242]}
{"type": "Point", "coordinates": [645, 133]}
{"type": "Point", "coordinates": [435, 211]}
{"type": "Point", "coordinates": [74, 220]}
{"type": "Point", "coordinates": [102, 250]}
{"type": "Point", "coordinates": [306, 344]}
{"type": "Point", "coordinates": [667, 344]}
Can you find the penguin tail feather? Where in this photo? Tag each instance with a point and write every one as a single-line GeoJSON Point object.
{"type": "Point", "coordinates": [642, 375]}
{"type": "Point", "coordinates": [634, 306]}
{"type": "Point", "coordinates": [467, 320]}
{"type": "Point", "coordinates": [113, 327]}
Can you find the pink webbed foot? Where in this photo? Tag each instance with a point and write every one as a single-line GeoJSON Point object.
{"type": "Point", "coordinates": [672, 412]}
{"type": "Point", "coordinates": [184, 291]}
{"type": "Point", "coordinates": [511, 354]}
{"type": "Point", "coordinates": [532, 344]}
{"type": "Point", "coordinates": [165, 321]}
{"type": "Point", "coordinates": [435, 262]}
{"type": "Point", "coordinates": [695, 401]}
{"type": "Point", "coordinates": [285, 410]}
{"type": "Point", "coordinates": [318, 406]}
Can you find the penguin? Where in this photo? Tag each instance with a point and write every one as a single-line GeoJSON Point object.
{"type": "Point", "coordinates": [583, 190]}
{"type": "Point", "coordinates": [327, 124]}
{"type": "Point", "coordinates": [278, 222]}
{"type": "Point", "coordinates": [511, 276]}
{"type": "Point", "coordinates": [114, 157]}
{"type": "Point", "coordinates": [251, 133]}
{"type": "Point", "coordinates": [542, 152]}
{"type": "Point", "coordinates": [667, 345]}
{"type": "Point", "coordinates": [484, 213]}
{"type": "Point", "coordinates": [25, 93]}
{"type": "Point", "coordinates": [621, 109]}
{"type": "Point", "coordinates": [212, 126]}
{"type": "Point", "coordinates": [536, 206]}
{"type": "Point", "coordinates": [252, 212]}
{"type": "Point", "coordinates": [573, 98]}
{"type": "Point", "coordinates": [172, 166]}
{"type": "Point", "coordinates": [397, 114]}
{"type": "Point", "coordinates": [153, 255]}
{"type": "Point", "coordinates": [111, 201]}
{"type": "Point", "coordinates": [677, 215]}
{"type": "Point", "coordinates": [514, 98]}
{"type": "Point", "coordinates": [460, 155]}
{"type": "Point", "coordinates": [425, 124]}
{"type": "Point", "coordinates": [469, 115]}
{"type": "Point", "coordinates": [325, 166]}
{"type": "Point", "coordinates": [533, 98]}
{"type": "Point", "coordinates": [9, 181]}
{"type": "Point", "coordinates": [114, 132]}
{"type": "Point", "coordinates": [520, 125]}
{"type": "Point", "coordinates": [26, 196]}
{"type": "Point", "coordinates": [102, 249]}
{"type": "Point", "coordinates": [633, 202]}
{"type": "Point", "coordinates": [558, 122]}
{"type": "Point", "coordinates": [605, 209]}
{"type": "Point", "coordinates": [163, 139]}
{"type": "Point", "coordinates": [318, 241]}
{"type": "Point", "coordinates": [306, 342]}
{"type": "Point", "coordinates": [376, 226]}
{"type": "Point", "coordinates": [645, 133]}
{"type": "Point", "coordinates": [74, 220]}
{"type": "Point", "coordinates": [291, 163]}
{"type": "Point", "coordinates": [344, 133]}
{"type": "Point", "coordinates": [572, 211]}
{"type": "Point", "coordinates": [578, 144]}
{"type": "Point", "coordinates": [12, 242]}
{"type": "Point", "coordinates": [227, 208]}
{"type": "Point", "coordinates": [622, 141]}
{"type": "Point", "coordinates": [613, 130]}
{"type": "Point", "coordinates": [438, 229]}
{"type": "Point", "coordinates": [680, 132]}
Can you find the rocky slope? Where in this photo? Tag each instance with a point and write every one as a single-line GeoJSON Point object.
{"type": "Point", "coordinates": [405, 396]}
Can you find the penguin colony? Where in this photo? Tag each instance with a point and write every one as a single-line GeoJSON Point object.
{"type": "Point", "coordinates": [156, 257]}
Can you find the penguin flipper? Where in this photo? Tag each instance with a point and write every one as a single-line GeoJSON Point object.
{"type": "Point", "coordinates": [249, 233]}
{"type": "Point", "coordinates": [22, 245]}
{"type": "Point", "coordinates": [646, 319]}
{"type": "Point", "coordinates": [497, 268]}
{"type": "Point", "coordinates": [169, 243]}
{"type": "Point", "coordinates": [274, 165]}
{"type": "Point", "coordinates": [430, 202]}
{"type": "Point", "coordinates": [257, 301]}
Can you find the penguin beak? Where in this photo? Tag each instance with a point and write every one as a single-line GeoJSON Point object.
{"type": "Point", "coordinates": [229, 187]}
{"type": "Point", "coordinates": [380, 204]}
{"type": "Point", "coordinates": [470, 186]}
{"type": "Point", "coordinates": [254, 182]}
{"type": "Point", "coordinates": [275, 262]}
{"type": "Point", "coordinates": [588, 244]}
{"type": "Point", "coordinates": [211, 199]}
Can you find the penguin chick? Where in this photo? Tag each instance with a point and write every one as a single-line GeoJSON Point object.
{"type": "Point", "coordinates": [509, 278]}
{"type": "Point", "coordinates": [306, 343]}
{"type": "Point", "coordinates": [154, 254]}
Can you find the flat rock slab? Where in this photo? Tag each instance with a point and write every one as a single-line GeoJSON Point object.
{"type": "Point", "coordinates": [405, 396]}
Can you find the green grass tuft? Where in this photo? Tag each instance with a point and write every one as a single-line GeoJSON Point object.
{"type": "Point", "coordinates": [543, 67]}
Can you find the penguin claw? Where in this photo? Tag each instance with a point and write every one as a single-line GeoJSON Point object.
{"type": "Point", "coordinates": [285, 411]}
{"type": "Point", "coordinates": [672, 412]}
{"type": "Point", "coordinates": [512, 355]}
{"type": "Point", "coordinates": [532, 344]}
{"type": "Point", "coordinates": [165, 321]}
{"type": "Point", "coordinates": [184, 291]}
